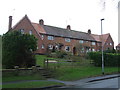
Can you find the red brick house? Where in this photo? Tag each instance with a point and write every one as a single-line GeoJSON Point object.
{"type": "Point", "coordinates": [50, 37]}
{"type": "Point", "coordinates": [118, 47]}
{"type": "Point", "coordinates": [106, 39]}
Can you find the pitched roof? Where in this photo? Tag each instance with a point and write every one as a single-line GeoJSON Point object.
{"type": "Point", "coordinates": [101, 38]}
{"type": "Point", "coordinates": [56, 31]}
{"type": "Point", "coordinates": [38, 28]}
{"type": "Point", "coordinates": [118, 45]}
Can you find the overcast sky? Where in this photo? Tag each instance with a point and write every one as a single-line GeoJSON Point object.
{"type": "Point", "coordinates": [80, 14]}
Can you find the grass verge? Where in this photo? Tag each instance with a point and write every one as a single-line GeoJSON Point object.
{"type": "Point", "coordinates": [23, 77]}
{"type": "Point", "coordinates": [69, 74]}
{"type": "Point", "coordinates": [33, 84]}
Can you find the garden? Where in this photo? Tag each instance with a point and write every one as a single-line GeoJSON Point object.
{"type": "Point", "coordinates": [20, 64]}
{"type": "Point", "coordinates": [66, 68]}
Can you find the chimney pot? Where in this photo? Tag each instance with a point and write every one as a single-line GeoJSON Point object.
{"type": "Point", "coordinates": [89, 31]}
{"type": "Point", "coordinates": [10, 23]}
{"type": "Point", "coordinates": [41, 22]}
{"type": "Point", "coordinates": [68, 27]}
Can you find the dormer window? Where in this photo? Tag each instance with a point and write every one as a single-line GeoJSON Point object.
{"type": "Point", "coordinates": [30, 32]}
{"type": "Point", "coordinates": [50, 37]}
{"type": "Point", "coordinates": [22, 31]}
{"type": "Point", "coordinates": [67, 39]}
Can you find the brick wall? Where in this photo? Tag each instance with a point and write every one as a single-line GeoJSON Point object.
{"type": "Point", "coordinates": [109, 44]}
{"type": "Point", "coordinates": [25, 24]}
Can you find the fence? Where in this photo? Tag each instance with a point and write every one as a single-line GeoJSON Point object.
{"type": "Point", "coordinates": [57, 63]}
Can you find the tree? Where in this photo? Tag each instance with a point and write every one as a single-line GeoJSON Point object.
{"type": "Point", "coordinates": [79, 48]}
{"type": "Point", "coordinates": [18, 49]}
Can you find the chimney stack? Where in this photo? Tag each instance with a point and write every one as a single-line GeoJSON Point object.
{"type": "Point", "coordinates": [41, 22]}
{"type": "Point", "coordinates": [89, 31]}
{"type": "Point", "coordinates": [10, 23]}
{"type": "Point", "coordinates": [68, 27]}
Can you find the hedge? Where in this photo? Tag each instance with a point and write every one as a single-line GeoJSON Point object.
{"type": "Point", "coordinates": [110, 59]}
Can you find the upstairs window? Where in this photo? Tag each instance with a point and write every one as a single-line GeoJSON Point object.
{"type": "Point", "coordinates": [93, 43]}
{"type": "Point", "coordinates": [30, 32]}
{"type": "Point", "coordinates": [110, 44]}
{"type": "Point", "coordinates": [81, 41]}
{"type": "Point", "coordinates": [42, 37]}
{"type": "Point", "coordinates": [43, 46]}
{"type": "Point", "coordinates": [50, 38]}
{"type": "Point", "coordinates": [67, 39]}
{"type": "Point", "coordinates": [22, 31]}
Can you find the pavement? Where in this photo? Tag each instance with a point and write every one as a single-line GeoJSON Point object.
{"type": "Point", "coordinates": [72, 83]}
{"type": "Point", "coordinates": [91, 79]}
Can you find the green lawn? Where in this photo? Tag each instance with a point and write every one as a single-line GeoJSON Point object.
{"type": "Point", "coordinates": [76, 73]}
{"type": "Point", "coordinates": [63, 71]}
{"type": "Point", "coordinates": [20, 78]}
{"type": "Point", "coordinates": [33, 84]}
{"type": "Point", "coordinates": [40, 59]}
{"type": "Point", "coordinates": [76, 70]}
{"type": "Point", "coordinates": [11, 77]}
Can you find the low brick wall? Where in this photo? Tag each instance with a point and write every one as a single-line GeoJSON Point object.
{"type": "Point", "coordinates": [21, 71]}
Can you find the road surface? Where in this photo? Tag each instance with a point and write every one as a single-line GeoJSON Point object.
{"type": "Point", "coordinates": [108, 83]}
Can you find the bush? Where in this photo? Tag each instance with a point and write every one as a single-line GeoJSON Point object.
{"type": "Point", "coordinates": [18, 50]}
{"type": "Point", "coordinates": [60, 54]}
{"type": "Point", "coordinates": [110, 59]}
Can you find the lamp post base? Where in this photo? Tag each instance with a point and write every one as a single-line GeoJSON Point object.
{"type": "Point", "coordinates": [103, 73]}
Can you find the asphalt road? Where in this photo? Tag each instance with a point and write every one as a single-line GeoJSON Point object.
{"type": "Point", "coordinates": [108, 83]}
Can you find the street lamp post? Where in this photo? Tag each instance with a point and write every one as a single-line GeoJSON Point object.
{"type": "Point", "coordinates": [102, 50]}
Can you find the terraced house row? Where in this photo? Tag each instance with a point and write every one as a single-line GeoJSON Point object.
{"type": "Point", "coordinates": [52, 38]}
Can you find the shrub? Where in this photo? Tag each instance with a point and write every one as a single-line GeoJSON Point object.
{"type": "Point", "coordinates": [60, 54]}
{"type": "Point", "coordinates": [18, 50]}
{"type": "Point", "coordinates": [110, 59]}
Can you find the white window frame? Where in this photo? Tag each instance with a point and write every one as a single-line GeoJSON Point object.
{"type": "Point", "coordinates": [50, 38]}
{"type": "Point", "coordinates": [81, 41]}
{"type": "Point", "coordinates": [42, 46]}
{"type": "Point", "coordinates": [50, 46]}
{"type": "Point", "coordinates": [30, 32]}
{"type": "Point", "coordinates": [42, 36]}
{"type": "Point", "coordinates": [22, 31]}
{"type": "Point", "coordinates": [93, 49]}
{"type": "Point", "coordinates": [93, 43]}
{"type": "Point", "coordinates": [110, 44]}
{"type": "Point", "coordinates": [67, 40]}
{"type": "Point", "coordinates": [66, 47]}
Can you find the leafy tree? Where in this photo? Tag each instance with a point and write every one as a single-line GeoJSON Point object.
{"type": "Point", "coordinates": [18, 49]}
{"type": "Point", "coordinates": [79, 48]}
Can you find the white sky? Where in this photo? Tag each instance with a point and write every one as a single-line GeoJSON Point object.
{"type": "Point", "coordinates": [80, 14]}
